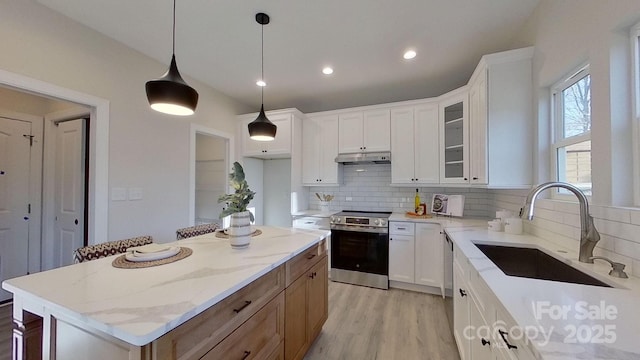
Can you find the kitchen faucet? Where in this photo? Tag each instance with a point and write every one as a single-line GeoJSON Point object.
{"type": "Point", "coordinates": [589, 236]}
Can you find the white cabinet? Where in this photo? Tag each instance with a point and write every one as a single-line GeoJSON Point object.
{"type": "Point", "coordinates": [280, 147]}
{"type": "Point", "coordinates": [415, 145]}
{"type": "Point", "coordinates": [401, 252]}
{"type": "Point", "coordinates": [460, 312]}
{"type": "Point", "coordinates": [501, 120]}
{"type": "Point", "coordinates": [429, 255]}
{"type": "Point", "coordinates": [454, 138]}
{"type": "Point", "coordinates": [319, 150]}
{"type": "Point", "coordinates": [364, 131]}
{"type": "Point", "coordinates": [416, 254]}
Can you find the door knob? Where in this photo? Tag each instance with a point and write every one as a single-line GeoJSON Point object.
{"type": "Point", "coordinates": [76, 222]}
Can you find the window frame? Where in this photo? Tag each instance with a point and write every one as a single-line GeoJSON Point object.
{"type": "Point", "coordinates": [634, 37]}
{"type": "Point", "coordinates": [558, 140]}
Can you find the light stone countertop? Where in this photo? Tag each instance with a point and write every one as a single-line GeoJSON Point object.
{"type": "Point", "coordinates": [537, 305]}
{"type": "Point", "coordinates": [533, 303]}
{"type": "Point", "coordinates": [140, 305]}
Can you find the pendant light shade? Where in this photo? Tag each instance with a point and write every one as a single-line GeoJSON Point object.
{"type": "Point", "coordinates": [261, 129]}
{"type": "Point", "coordinates": [170, 94]}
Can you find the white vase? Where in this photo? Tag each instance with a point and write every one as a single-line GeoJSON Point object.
{"type": "Point", "coordinates": [240, 230]}
{"type": "Point", "coordinates": [324, 206]}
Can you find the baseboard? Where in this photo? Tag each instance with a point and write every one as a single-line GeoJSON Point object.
{"type": "Point", "coordinates": [415, 287]}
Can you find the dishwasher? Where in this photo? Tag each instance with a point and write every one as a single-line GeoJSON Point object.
{"type": "Point", "coordinates": [448, 278]}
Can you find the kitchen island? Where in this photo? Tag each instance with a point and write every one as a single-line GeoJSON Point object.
{"type": "Point", "coordinates": [213, 302]}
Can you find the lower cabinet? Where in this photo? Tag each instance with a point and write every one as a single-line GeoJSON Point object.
{"type": "Point", "coordinates": [416, 254]}
{"type": "Point", "coordinates": [306, 309]}
{"type": "Point", "coordinates": [481, 324]}
{"type": "Point", "coordinates": [260, 337]}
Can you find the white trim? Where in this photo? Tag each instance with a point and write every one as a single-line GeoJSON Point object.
{"type": "Point", "coordinates": [635, 100]}
{"type": "Point", "coordinates": [229, 159]}
{"type": "Point", "coordinates": [99, 146]}
{"type": "Point", "coordinates": [557, 125]}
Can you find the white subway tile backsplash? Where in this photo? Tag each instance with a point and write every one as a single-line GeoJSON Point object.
{"type": "Point", "coordinates": [611, 213]}
{"type": "Point", "coordinates": [559, 222]}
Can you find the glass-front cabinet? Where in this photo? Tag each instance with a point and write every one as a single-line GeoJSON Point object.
{"type": "Point", "coordinates": [454, 138]}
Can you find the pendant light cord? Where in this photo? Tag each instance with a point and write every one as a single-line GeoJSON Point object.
{"type": "Point", "coordinates": [262, 59]}
{"type": "Point", "coordinates": [174, 29]}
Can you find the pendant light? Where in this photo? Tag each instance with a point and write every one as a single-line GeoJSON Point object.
{"type": "Point", "coordinates": [261, 128]}
{"type": "Point", "coordinates": [170, 94]}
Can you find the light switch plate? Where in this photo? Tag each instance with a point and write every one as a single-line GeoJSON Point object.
{"type": "Point", "coordinates": [135, 193]}
{"type": "Point", "coordinates": [118, 194]}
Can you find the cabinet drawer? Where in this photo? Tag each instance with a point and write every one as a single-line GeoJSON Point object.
{"type": "Point", "coordinates": [258, 338]}
{"type": "Point", "coordinates": [401, 228]}
{"type": "Point", "coordinates": [194, 338]}
{"type": "Point", "coordinates": [304, 261]}
{"type": "Point", "coordinates": [512, 347]}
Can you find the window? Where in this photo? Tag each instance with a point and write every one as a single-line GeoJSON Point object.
{"type": "Point", "coordinates": [571, 99]}
{"type": "Point", "coordinates": [635, 71]}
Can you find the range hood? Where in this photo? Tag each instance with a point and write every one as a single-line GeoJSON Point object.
{"type": "Point", "coordinates": [364, 158]}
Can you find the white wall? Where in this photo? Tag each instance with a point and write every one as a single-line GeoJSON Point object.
{"type": "Point", "coordinates": [566, 34]}
{"type": "Point", "coordinates": [25, 103]}
{"type": "Point", "coordinates": [277, 198]}
{"type": "Point", "coordinates": [146, 149]}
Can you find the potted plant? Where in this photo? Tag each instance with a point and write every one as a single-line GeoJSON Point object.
{"type": "Point", "coordinates": [240, 225]}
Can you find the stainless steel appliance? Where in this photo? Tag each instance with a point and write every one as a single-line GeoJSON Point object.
{"type": "Point", "coordinates": [364, 158]}
{"type": "Point", "coordinates": [360, 248]}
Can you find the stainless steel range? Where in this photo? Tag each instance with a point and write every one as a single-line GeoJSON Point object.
{"type": "Point", "coordinates": [360, 248]}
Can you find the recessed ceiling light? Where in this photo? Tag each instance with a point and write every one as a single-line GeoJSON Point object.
{"type": "Point", "coordinates": [261, 83]}
{"type": "Point", "coordinates": [410, 54]}
{"type": "Point", "coordinates": [327, 71]}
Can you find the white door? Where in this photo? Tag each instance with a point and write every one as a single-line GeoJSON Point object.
{"type": "Point", "coordinates": [429, 255]}
{"type": "Point", "coordinates": [402, 146]}
{"type": "Point", "coordinates": [376, 131]}
{"type": "Point", "coordinates": [350, 133]}
{"type": "Point", "coordinates": [427, 146]}
{"type": "Point", "coordinates": [15, 154]}
{"type": "Point", "coordinates": [401, 258]}
{"type": "Point", "coordinates": [329, 150]}
{"type": "Point", "coordinates": [69, 190]}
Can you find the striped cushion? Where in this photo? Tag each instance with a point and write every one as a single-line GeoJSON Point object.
{"type": "Point", "coordinates": [196, 230]}
{"type": "Point", "coordinates": [98, 251]}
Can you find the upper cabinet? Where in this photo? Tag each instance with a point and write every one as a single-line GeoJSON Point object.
{"type": "Point", "coordinates": [319, 150]}
{"type": "Point", "coordinates": [366, 131]}
{"type": "Point", "coordinates": [454, 137]}
{"type": "Point", "coordinates": [415, 145]}
{"type": "Point", "coordinates": [501, 120]}
{"type": "Point", "coordinates": [280, 147]}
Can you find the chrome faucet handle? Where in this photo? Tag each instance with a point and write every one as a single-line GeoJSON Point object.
{"type": "Point", "coordinates": [617, 269]}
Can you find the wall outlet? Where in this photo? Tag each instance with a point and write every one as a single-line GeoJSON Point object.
{"type": "Point", "coordinates": [135, 193]}
{"type": "Point", "coordinates": [348, 198]}
{"type": "Point", "coordinates": [118, 194]}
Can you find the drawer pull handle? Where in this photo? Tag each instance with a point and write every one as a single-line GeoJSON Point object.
{"type": "Point", "coordinates": [485, 342]}
{"type": "Point", "coordinates": [246, 303]}
{"type": "Point", "coordinates": [313, 275]}
{"type": "Point", "coordinates": [402, 228]}
{"type": "Point", "coordinates": [246, 354]}
{"type": "Point", "coordinates": [309, 257]}
{"type": "Point", "coordinates": [462, 293]}
{"type": "Point", "coordinates": [504, 338]}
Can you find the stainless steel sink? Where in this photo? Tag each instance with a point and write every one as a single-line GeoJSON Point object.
{"type": "Point", "coordinates": [535, 264]}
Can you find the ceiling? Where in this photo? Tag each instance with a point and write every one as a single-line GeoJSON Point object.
{"type": "Point", "coordinates": [218, 43]}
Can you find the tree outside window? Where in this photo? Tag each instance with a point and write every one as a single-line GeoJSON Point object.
{"type": "Point", "coordinates": [572, 119]}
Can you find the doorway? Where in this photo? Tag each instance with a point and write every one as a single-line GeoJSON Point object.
{"type": "Point", "coordinates": [43, 218]}
{"type": "Point", "coordinates": [210, 163]}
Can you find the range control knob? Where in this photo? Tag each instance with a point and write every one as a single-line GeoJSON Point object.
{"type": "Point", "coordinates": [332, 219]}
{"type": "Point", "coordinates": [383, 222]}
{"type": "Point", "coordinates": [376, 222]}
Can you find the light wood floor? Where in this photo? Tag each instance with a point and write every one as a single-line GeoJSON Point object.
{"type": "Point", "coordinates": [368, 324]}
{"type": "Point", "coordinates": [5, 331]}
{"type": "Point", "coordinates": [363, 324]}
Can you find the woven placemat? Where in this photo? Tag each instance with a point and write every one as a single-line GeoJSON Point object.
{"type": "Point", "coordinates": [222, 235]}
{"type": "Point", "coordinates": [122, 263]}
